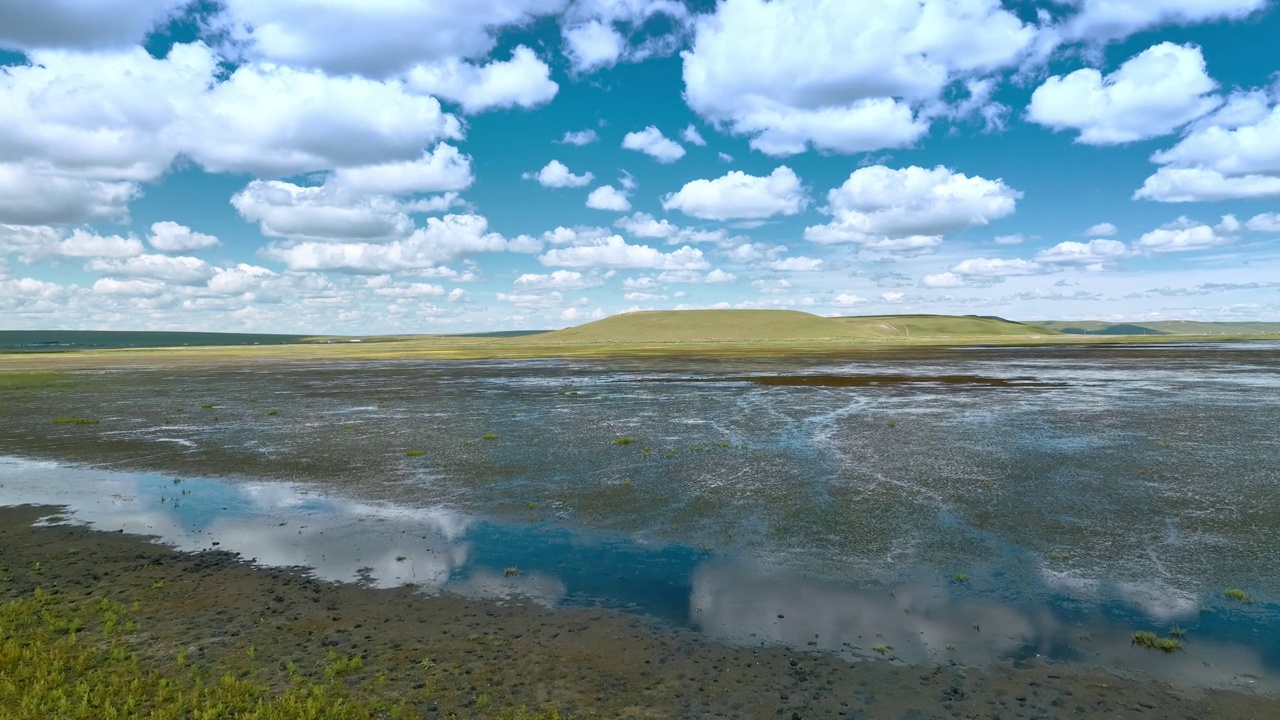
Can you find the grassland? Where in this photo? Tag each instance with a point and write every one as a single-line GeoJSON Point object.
{"type": "Point", "coordinates": [692, 333]}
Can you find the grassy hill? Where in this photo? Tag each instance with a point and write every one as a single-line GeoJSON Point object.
{"type": "Point", "coordinates": [1165, 327]}
{"type": "Point", "coordinates": [774, 326]}
{"type": "Point", "coordinates": [940, 326]}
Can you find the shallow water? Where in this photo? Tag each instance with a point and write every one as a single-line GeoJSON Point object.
{"type": "Point", "coordinates": [1105, 490]}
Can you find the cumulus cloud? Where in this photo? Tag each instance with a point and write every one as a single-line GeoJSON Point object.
{"type": "Point", "coordinates": [179, 270]}
{"type": "Point", "coordinates": [644, 225]}
{"type": "Point", "coordinates": [580, 138]}
{"type": "Point", "coordinates": [1264, 222]}
{"type": "Point", "coordinates": [377, 39]}
{"type": "Point", "coordinates": [593, 46]}
{"type": "Point", "coordinates": [1152, 94]}
{"type": "Point", "coordinates": [739, 196]}
{"type": "Point", "coordinates": [883, 208]}
{"type": "Point", "coordinates": [798, 263]}
{"type": "Point", "coordinates": [171, 237]}
{"type": "Point", "coordinates": [34, 24]}
{"type": "Point", "coordinates": [1091, 252]}
{"type": "Point", "coordinates": [89, 245]}
{"type": "Point", "coordinates": [653, 143]}
{"type": "Point", "coordinates": [943, 280]}
{"type": "Point", "coordinates": [523, 81]}
{"type": "Point", "coordinates": [128, 288]}
{"type": "Point", "coordinates": [1104, 229]}
{"type": "Point", "coordinates": [848, 300]}
{"type": "Point", "coordinates": [607, 197]}
{"type": "Point", "coordinates": [37, 195]}
{"type": "Point", "coordinates": [1232, 154]}
{"type": "Point", "coordinates": [441, 169]}
{"type": "Point", "coordinates": [1185, 234]}
{"type": "Point", "coordinates": [556, 174]}
{"type": "Point", "coordinates": [558, 280]}
{"type": "Point", "coordinates": [1105, 20]}
{"type": "Point", "coordinates": [691, 135]}
{"type": "Point", "coordinates": [441, 240]}
{"type": "Point", "coordinates": [614, 252]}
{"type": "Point", "coordinates": [842, 77]}
{"type": "Point", "coordinates": [995, 267]}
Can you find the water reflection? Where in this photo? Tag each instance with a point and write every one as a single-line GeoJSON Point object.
{"type": "Point", "coordinates": [925, 621]}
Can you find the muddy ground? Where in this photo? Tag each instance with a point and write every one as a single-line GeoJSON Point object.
{"type": "Point", "coordinates": [483, 656]}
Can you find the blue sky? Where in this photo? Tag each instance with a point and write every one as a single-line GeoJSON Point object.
{"type": "Point", "coordinates": [344, 166]}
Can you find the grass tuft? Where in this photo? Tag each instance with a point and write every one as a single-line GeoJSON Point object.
{"type": "Point", "coordinates": [1238, 594]}
{"type": "Point", "coordinates": [1151, 641]}
{"type": "Point", "coordinates": [414, 453]}
{"type": "Point", "coordinates": [74, 421]}
{"type": "Point", "coordinates": [623, 441]}
{"type": "Point", "coordinates": [490, 436]}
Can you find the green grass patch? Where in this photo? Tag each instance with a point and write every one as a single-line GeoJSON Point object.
{"type": "Point", "coordinates": [207, 406]}
{"type": "Point", "coordinates": [414, 453]}
{"type": "Point", "coordinates": [1151, 641]}
{"type": "Point", "coordinates": [490, 436]}
{"type": "Point", "coordinates": [273, 412]}
{"type": "Point", "coordinates": [624, 441]}
{"type": "Point", "coordinates": [1237, 594]}
{"type": "Point", "coordinates": [33, 380]}
{"type": "Point", "coordinates": [74, 421]}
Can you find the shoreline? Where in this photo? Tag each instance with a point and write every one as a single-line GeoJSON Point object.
{"type": "Point", "coordinates": [485, 655]}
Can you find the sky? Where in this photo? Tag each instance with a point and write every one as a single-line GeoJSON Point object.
{"type": "Point", "coordinates": [444, 166]}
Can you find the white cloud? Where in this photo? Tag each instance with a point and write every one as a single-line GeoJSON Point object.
{"type": "Point", "coordinates": [644, 225]}
{"type": "Point", "coordinates": [558, 280]}
{"type": "Point", "coordinates": [575, 314]}
{"type": "Point", "coordinates": [179, 270]}
{"type": "Point", "coordinates": [653, 143]}
{"type": "Point", "coordinates": [411, 290]}
{"type": "Point", "coordinates": [1091, 252]}
{"type": "Point", "coordinates": [1234, 153]}
{"type": "Point", "coordinates": [1008, 239]}
{"type": "Point", "coordinates": [995, 267]}
{"type": "Point", "coordinates": [848, 300]}
{"type": "Point", "coordinates": [276, 121]}
{"type": "Point", "coordinates": [1178, 185]}
{"type": "Point", "coordinates": [614, 252]}
{"type": "Point", "coordinates": [1184, 234]}
{"type": "Point", "coordinates": [238, 280]}
{"type": "Point", "coordinates": [1103, 20]}
{"type": "Point", "coordinates": [523, 81]}
{"type": "Point", "coordinates": [1104, 229]}
{"type": "Point", "coordinates": [34, 24]}
{"type": "Point", "coordinates": [799, 263]}
{"type": "Point", "coordinates": [607, 197]}
{"type": "Point", "coordinates": [845, 77]}
{"type": "Point", "coordinates": [1264, 222]}
{"type": "Point", "coordinates": [128, 288]}
{"type": "Point", "coordinates": [172, 237]}
{"type": "Point", "coordinates": [943, 280]}
{"type": "Point", "coordinates": [376, 39]}
{"type": "Point", "coordinates": [737, 196]}
{"type": "Point", "coordinates": [1152, 94]}
{"type": "Point", "coordinates": [691, 135]}
{"type": "Point", "coordinates": [725, 157]}
{"type": "Point", "coordinates": [593, 45]}
{"type": "Point", "coordinates": [882, 208]}
{"type": "Point", "coordinates": [580, 138]}
{"type": "Point", "coordinates": [283, 209]}
{"type": "Point", "coordinates": [557, 175]}
{"type": "Point", "coordinates": [440, 170]}
{"type": "Point", "coordinates": [718, 276]}
{"type": "Point", "coordinates": [440, 240]}
{"type": "Point", "coordinates": [39, 196]}
{"type": "Point", "coordinates": [893, 297]}
{"type": "Point", "coordinates": [90, 245]}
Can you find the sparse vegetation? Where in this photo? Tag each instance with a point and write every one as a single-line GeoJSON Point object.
{"type": "Point", "coordinates": [511, 571]}
{"type": "Point", "coordinates": [490, 436]}
{"type": "Point", "coordinates": [1151, 641]}
{"type": "Point", "coordinates": [623, 441]}
{"type": "Point", "coordinates": [961, 577]}
{"type": "Point", "coordinates": [74, 421]}
{"type": "Point", "coordinates": [273, 412]}
{"type": "Point", "coordinates": [207, 406]}
{"type": "Point", "coordinates": [1237, 594]}
{"type": "Point", "coordinates": [414, 453]}
{"type": "Point", "coordinates": [881, 649]}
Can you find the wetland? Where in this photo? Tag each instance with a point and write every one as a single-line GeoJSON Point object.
{"type": "Point", "coordinates": [983, 531]}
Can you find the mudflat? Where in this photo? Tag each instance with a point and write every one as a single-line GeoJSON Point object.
{"type": "Point", "coordinates": [449, 656]}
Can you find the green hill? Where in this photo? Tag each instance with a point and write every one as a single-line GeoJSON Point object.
{"type": "Point", "coordinates": [1164, 327]}
{"type": "Point", "coordinates": [774, 326]}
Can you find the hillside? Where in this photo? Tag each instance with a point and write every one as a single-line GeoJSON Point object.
{"type": "Point", "coordinates": [936, 326]}
{"type": "Point", "coordinates": [774, 326]}
{"type": "Point", "coordinates": [1165, 327]}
